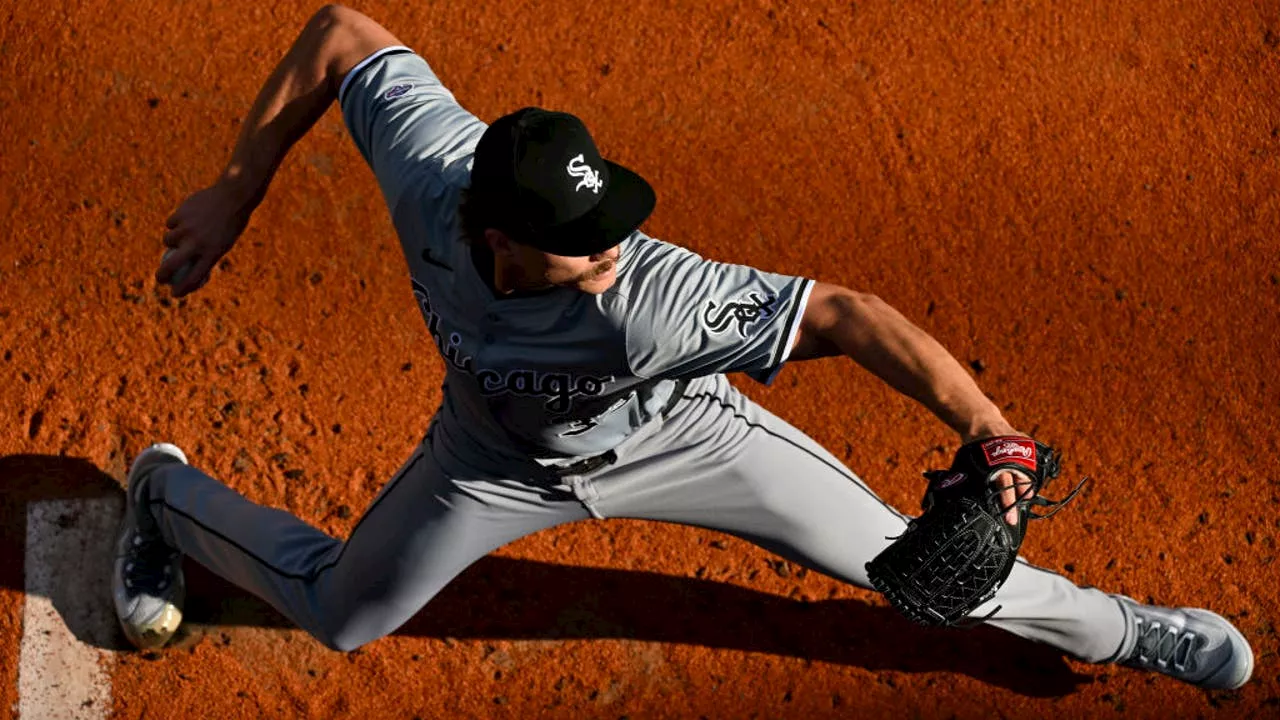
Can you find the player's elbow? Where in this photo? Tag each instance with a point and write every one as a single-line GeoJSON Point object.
{"type": "Point", "coordinates": [326, 20]}
{"type": "Point", "coordinates": [846, 304]}
{"type": "Point", "coordinates": [832, 306]}
{"type": "Point", "coordinates": [334, 15]}
{"type": "Point", "coordinates": [828, 314]}
{"type": "Point", "coordinates": [343, 37]}
{"type": "Point", "coordinates": [318, 50]}
{"type": "Point", "coordinates": [334, 12]}
{"type": "Point", "coordinates": [338, 25]}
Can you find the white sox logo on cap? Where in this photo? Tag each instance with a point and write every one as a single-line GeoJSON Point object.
{"type": "Point", "coordinates": [579, 168]}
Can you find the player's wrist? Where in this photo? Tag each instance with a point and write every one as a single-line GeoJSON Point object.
{"type": "Point", "coordinates": [239, 192]}
{"type": "Point", "coordinates": [985, 427]}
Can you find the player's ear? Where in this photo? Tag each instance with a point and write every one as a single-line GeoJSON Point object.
{"type": "Point", "coordinates": [499, 242]}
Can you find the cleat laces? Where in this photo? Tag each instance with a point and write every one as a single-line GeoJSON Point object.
{"type": "Point", "coordinates": [1164, 647]}
{"type": "Point", "coordinates": [150, 566]}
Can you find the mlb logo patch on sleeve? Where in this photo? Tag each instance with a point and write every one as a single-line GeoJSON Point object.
{"type": "Point", "coordinates": [397, 91]}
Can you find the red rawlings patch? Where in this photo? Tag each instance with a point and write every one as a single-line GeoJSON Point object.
{"type": "Point", "coordinates": [1010, 450]}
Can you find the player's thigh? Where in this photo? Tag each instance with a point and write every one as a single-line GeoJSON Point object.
{"type": "Point", "coordinates": [737, 468]}
{"type": "Point", "coordinates": [427, 525]}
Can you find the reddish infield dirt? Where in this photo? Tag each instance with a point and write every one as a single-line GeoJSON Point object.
{"type": "Point", "coordinates": [1079, 201]}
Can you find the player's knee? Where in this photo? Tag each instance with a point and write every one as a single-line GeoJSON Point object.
{"type": "Point", "coordinates": [343, 634]}
{"type": "Point", "coordinates": [343, 640]}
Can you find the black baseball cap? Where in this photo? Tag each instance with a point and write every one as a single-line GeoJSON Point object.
{"type": "Point", "coordinates": [546, 184]}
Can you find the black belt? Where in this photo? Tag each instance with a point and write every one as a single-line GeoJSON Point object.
{"type": "Point", "coordinates": [609, 457]}
{"type": "Point", "coordinates": [677, 394]}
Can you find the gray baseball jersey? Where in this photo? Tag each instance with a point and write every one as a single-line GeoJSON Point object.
{"type": "Point", "coordinates": [559, 373]}
{"type": "Point", "coordinates": [535, 382]}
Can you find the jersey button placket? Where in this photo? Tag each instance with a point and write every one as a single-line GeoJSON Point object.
{"type": "Point", "coordinates": [490, 319]}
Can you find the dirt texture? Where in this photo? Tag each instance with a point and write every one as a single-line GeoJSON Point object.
{"type": "Point", "coordinates": [1079, 200]}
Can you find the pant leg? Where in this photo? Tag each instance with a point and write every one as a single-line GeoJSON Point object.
{"type": "Point", "coordinates": [425, 527]}
{"type": "Point", "coordinates": [722, 462]}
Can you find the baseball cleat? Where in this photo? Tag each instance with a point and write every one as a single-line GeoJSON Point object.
{"type": "Point", "coordinates": [1192, 645]}
{"type": "Point", "coordinates": [147, 580]}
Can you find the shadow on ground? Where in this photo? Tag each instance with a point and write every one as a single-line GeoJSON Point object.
{"type": "Point", "coordinates": [503, 598]}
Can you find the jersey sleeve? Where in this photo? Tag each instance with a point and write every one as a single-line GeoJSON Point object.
{"type": "Point", "coordinates": [687, 316]}
{"type": "Point", "coordinates": [406, 124]}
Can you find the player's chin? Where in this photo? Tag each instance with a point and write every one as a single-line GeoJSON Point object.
{"type": "Point", "coordinates": [598, 283]}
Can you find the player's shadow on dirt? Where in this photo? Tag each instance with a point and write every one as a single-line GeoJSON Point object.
{"type": "Point", "coordinates": [502, 598]}
{"type": "Point", "coordinates": [78, 594]}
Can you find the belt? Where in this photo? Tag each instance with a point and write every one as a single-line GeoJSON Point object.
{"type": "Point", "coordinates": [585, 465]}
{"type": "Point", "coordinates": [609, 457]}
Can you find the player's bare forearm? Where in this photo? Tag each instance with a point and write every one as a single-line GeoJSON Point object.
{"type": "Point", "coordinates": [838, 321]}
{"type": "Point", "coordinates": [296, 95]}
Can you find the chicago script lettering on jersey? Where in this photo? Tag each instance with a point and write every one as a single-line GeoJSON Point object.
{"type": "Point", "coordinates": [718, 318]}
{"type": "Point", "coordinates": [559, 388]}
{"type": "Point", "coordinates": [451, 350]}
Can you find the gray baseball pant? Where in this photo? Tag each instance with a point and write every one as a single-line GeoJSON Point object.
{"type": "Point", "coordinates": [718, 461]}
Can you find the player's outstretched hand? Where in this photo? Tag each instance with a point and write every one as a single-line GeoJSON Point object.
{"type": "Point", "coordinates": [203, 229]}
{"type": "Point", "coordinates": [958, 552]}
{"type": "Point", "coordinates": [1014, 486]}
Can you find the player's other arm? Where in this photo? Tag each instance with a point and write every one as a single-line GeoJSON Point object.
{"type": "Point", "coordinates": [299, 91]}
{"type": "Point", "coordinates": [294, 97]}
{"type": "Point", "coordinates": [839, 321]}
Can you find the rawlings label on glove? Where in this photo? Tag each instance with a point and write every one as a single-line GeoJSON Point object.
{"type": "Point", "coordinates": [956, 555]}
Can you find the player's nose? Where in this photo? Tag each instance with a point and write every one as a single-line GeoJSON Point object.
{"type": "Point", "coordinates": [610, 254]}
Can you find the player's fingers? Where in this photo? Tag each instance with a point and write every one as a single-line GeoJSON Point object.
{"type": "Point", "coordinates": [190, 278]}
{"type": "Point", "coordinates": [173, 235]}
{"type": "Point", "coordinates": [171, 263]}
{"type": "Point", "coordinates": [1023, 483]}
{"type": "Point", "coordinates": [1008, 496]}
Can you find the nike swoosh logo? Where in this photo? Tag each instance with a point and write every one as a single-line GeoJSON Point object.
{"type": "Point", "coordinates": [431, 260]}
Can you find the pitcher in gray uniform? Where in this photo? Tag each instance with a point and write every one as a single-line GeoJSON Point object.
{"type": "Point", "coordinates": [585, 378]}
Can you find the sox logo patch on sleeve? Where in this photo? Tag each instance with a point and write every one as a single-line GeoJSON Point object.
{"type": "Point", "coordinates": [744, 311]}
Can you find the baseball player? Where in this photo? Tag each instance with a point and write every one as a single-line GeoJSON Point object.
{"type": "Point", "coordinates": [585, 378]}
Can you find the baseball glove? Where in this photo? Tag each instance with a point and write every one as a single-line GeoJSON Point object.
{"type": "Point", "coordinates": [954, 556]}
